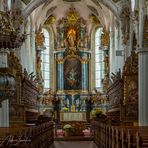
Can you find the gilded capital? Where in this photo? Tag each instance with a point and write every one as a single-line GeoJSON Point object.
{"type": "Point", "coordinates": [84, 61]}
{"type": "Point", "coordinates": [60, 61]}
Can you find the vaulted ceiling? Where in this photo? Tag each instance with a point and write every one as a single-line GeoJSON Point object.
{"type": "Point", "coordinates": [104, 10]}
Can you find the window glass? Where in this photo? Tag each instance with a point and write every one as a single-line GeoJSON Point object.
{"type": "Point", "coordinates": [99, 59]}
{"type": "Point", "coordinates": [45, 65]}
{"type": "Point", "coordinates": [132, 5]}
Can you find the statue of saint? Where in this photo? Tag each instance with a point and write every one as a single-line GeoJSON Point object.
{"type": "Point", "coordinates": [71, 40]}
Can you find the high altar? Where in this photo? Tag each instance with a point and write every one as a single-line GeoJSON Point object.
{"type": "Point", "coordinates": [72, 67]}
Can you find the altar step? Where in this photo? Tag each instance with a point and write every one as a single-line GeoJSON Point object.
{"type": "Point", "coordinates": [73, 144]}
{"type": "Point", "coordinates": [74, 138]}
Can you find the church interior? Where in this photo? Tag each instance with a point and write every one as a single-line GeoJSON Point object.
{"type": "Point", "coordinates": [73, 73]}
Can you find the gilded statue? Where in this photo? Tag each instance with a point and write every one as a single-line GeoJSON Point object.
{"type": "Point", "coordinates": [70, 41]}
{"type": "Point", "coordinates": [39, 38]}
{"type": "Point", "coordinates": [38, 67]}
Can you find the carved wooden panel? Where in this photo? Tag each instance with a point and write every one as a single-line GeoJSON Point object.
{"type": "Point", "coordinates": [115, 91]}
{"type": "Point", "coordinates": [29, 94]}
{"type": "Point", "coordinates": [130, 75]}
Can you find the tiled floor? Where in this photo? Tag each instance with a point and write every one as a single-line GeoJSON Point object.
{"type": "Point", "coordinates": [73, 144]}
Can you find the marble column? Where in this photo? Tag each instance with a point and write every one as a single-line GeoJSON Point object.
{"type": "Point", "coordinates": [60, 76]}
{"type": "Point", "coordinates": [4, 114]}
{"type": "Point", "coordinates": [1, 119]}
{"type": "Point", "coordinates": [3, 57]}
{"type": "Point", "coordinates": [112, 53]}
{"type": "Point", "coordinates": [143, 86]}
{"type": "Point", "coordinates": [84, 76]}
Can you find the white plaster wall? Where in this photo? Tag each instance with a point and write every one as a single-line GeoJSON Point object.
{"type": "Point", "coordinates": [141, 21]}
{"type": "Point", "coordinates": [28, 51]}
{"type": "Point", "coordinates": [4, 114]}
{"type": "Point", "coordinates": [112, 52]}
{"type": "Point", "coordinates": [1, 116]}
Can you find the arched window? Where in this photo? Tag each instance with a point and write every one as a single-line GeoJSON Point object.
{"type": "Point", "coordinates": [45, 66]}
{"type": "Point", "coordinates": [132, 5]}
{"type": "Point", "coordinates": [9, 5]}
{"type": "Point", "coordinates": [99, 59]}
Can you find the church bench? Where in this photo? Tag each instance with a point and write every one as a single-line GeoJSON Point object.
{"type": "Point", "coordinates": [127, 135]}
{"type": "Point", "coordinates": [142, 137]}
{"type": "Point", "coordinates": [27, 137]}
{"type": "Point", "coordinates": [120, 136]}
{"type": "Point", "coordinates": [132, 140]}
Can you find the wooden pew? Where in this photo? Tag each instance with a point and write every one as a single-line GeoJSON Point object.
{"type": "Point", "coordinates": [107, 136]}
{"type": "Point", "coordinates": [142, 137]}
{"type": "Point", "coordinates": [27, 137]}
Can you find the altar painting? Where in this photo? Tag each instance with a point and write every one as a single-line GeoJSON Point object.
{"type": "Point", "coordinates": [72, 74]}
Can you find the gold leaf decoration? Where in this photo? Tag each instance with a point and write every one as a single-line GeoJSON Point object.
{"type": "Point", "coordinates": [51, 20]}
{"type": "Point", "coordinates": [72, 16]}
{"type": "Point", "coordinates": [105, 38]}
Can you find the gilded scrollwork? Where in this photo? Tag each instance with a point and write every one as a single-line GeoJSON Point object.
{"type": "Point", "coordinates": [51, 20]}
{"type": "Point", "coordinates": [131, 64]}
{"type": "Point", "coordinates": [72, 32]}
{"type": "Point", "coordinates": [10, 34]}
{"type": "Point", "coordinates": [145, 32]}
{"type": "Point", "coordinates": [125, 19]}
{"type": "Point", "coordinates": [130, 76]}
{"type": "Point", "coordinates": [39, 38]}
{"type": "Point", "coordinates": [6, 24]}
{"type": "Point", "coordinates": [93, 19]}
{"type": "Point", "coordinates": [105, 38]}
{"type": "Point", "coordinates": [14, 63]}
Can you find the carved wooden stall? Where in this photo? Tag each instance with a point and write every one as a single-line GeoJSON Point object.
{"type": "Point", "coordinates": [16, 114]}
{"type": "Point", "coordinates": [130, 102]}
{"type": "Point", "coordinates": [115, 96]}
{"type": "Point", "coordinates": [24, 95]}
{"type": "Point", "coordinates": [27, 137]}
{"type": "Point", "coordinates": [29, 98]}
